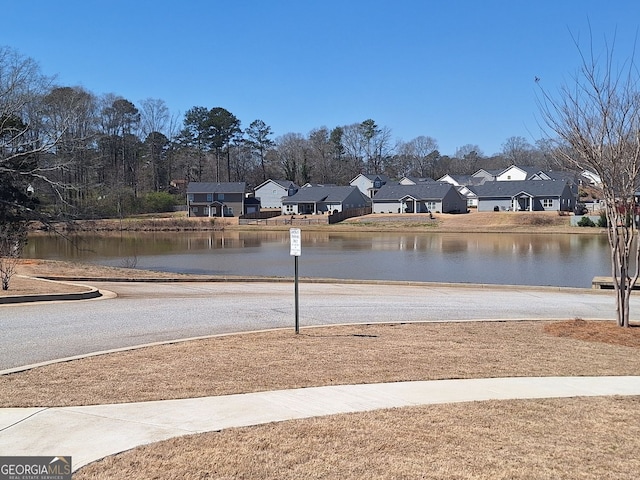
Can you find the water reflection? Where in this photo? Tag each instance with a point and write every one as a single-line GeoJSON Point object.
{"type": "Point", "coordinates": [519, 259]}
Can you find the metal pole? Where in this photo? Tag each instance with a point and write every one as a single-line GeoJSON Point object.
{"type": "Point", "coordinates": [296, 294]}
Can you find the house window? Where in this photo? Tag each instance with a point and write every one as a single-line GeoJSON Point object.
{"type": "Point", "coordinates": [430, 205]}
{"type": "Point", "coordinates": [377, 184]}
{"type": "Point", "coordinates": [195, 209]}
{"type": "Point", "coordinates": [289, 208]}
{"type": "Point", "coordinates": [190, 197]}
{"type": "Point", "coordinates": [221, 196]}
{"type": "Point", "coordinates": [209, 197]}
{"type": "Point", "coordinates": [547, 202]}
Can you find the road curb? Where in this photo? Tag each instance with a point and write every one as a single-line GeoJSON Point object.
{"type": "Point", "coordinates": [89, 293]}
{"type": "Point", "coordinates": [93, 293]}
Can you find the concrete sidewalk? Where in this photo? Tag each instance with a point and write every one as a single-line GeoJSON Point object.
{"type": "Point", "coordinates": [92, 432]}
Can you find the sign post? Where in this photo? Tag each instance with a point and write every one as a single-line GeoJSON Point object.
{"type": "Point", "coordinates": [295, 251]}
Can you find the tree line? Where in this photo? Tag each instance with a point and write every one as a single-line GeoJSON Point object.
{"type": "Point", "coordinates": [91, 155]}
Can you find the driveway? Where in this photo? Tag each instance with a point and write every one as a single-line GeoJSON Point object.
{"type": "Point", "coordinates": [155, 312]}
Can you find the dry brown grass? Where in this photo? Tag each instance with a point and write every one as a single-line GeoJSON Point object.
{"type": "Point", "coordinates": [26, 286]}
{"type": "Point", "coordinates": [472, 222]}
{"type": "Point", "coordinates": [589, 439]}
{"type": "Point", "coordinates": [26, 283]}
{"type": "Point", "coordinates": [325, 356]}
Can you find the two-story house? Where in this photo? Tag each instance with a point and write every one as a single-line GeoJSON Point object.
{"type": "Point", "coordinates": [206, 199]}
{"type": "Point", "coordinates": [369, 184]}
{"type": "Point", "coordinates": [271, 192]}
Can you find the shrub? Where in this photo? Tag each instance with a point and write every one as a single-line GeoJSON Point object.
{"type": "Point", "coordinates": [156, 202]}
{"type": "Point", "coordinates": [602, 221]}
{"type": "Point", "coordinates": [586, 222]}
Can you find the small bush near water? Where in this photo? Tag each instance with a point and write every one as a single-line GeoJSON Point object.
{"type": "Point", "coordinates": [586, 222]}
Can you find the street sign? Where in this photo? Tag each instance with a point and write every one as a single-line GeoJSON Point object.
{"type": "Point", "coordinates": [296, 242]}
{"type": "Point", "coordinates": [295, 251]}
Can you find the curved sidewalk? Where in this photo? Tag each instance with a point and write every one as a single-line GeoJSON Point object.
{"type": "Point", "coordinates": [88, 433]}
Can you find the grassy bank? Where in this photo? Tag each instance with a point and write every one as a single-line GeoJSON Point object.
{"type": "Point", "coordinates": [524, 222]}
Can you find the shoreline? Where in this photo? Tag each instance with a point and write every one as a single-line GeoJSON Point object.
{"type": "Point", "coordinates": [473, 222]}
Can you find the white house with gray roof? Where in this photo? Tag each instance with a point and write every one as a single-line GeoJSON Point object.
{"type": "Point", "coordinates": [421, 198]}
{"type": "Point", "coordinates": [369, 184]}
{"type": "Point", "coordinates": [525, 195]}
{"type": "Point", "coordinates": [270, 193]}
{"type": "Point", "coordinates": [314, 200]}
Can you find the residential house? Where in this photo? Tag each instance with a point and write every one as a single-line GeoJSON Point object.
{"type": "Point", "coordinates": [270, 193]}
{"type": "Point", "coordinates": [525, 195]}
{"type": "Point", "coordinates": [216, 199]}
{"type": "Point", "coordinates": [421, 198]}
{"type": "Point", "coordinates": [515, 173]}
{"type": "Point", "coordinates": [462, 183]}
{"type": "Point", "coordinates": [314, 200]}
{"type": "Point", "coordinates": [487, 175]}
{"type": "Point", "coordinates": [369, 184]}
{"type": "Point", "coordinates": [591, 178]}
{"type": "Point", "coordinates": [519, 172]}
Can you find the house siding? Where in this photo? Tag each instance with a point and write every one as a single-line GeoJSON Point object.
{"type": "Point", "coordinates": [435, 197]}
{"type": "Point", "coordinates": [368, 184]}
{"type": "Point", "coordinates": [531, 195]}
{"type": "Point", "coordinates": [271, 193]}
{"type": "Point", "coordinates": [321, 200]}
{"type": "Point", "coordinates": [215, 199]}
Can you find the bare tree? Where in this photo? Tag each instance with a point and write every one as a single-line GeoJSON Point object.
{"type": "Point", "coordinates": [518, 151]}
{"type": "Point", "coordinates": [320, 153]}
{"type": "Point", "coordinates": [13, 237]}
{"type": "Point", "coordinates": [292, 151]}
{"type": "Point", "coordinates": [24, 137]}
{"type": "Point", "coordinates": [154, 116]}
{"type": "Point", "coordinates": [420, 151]}
{"type": "Point", "coordinates": [596, 124]}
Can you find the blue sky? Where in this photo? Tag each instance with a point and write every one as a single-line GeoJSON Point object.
{"type": "Point", "coordinates": [460, 71]}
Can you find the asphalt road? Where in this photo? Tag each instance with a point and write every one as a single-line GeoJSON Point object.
{"type": "Point", "coordinates": [151, 312]}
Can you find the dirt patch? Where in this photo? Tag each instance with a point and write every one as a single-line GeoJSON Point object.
{"type": "Point", "coordinates": [601, 332]}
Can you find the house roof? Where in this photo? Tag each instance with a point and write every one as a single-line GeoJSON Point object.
{"type": "Point", "coordinates": [557, 175]}
{"type": "Point", "coordinates": [529, 170]}
{"type": "Point", "coordinates": [221, 187]}
{"type": "Point", "coordinates": [536, 188]}
{"type": "Point", "coordinates": [421, 191]}
{"type": "Point", "coordinates": [418, 179]}
{"type": "Point", "coordinates": [488, 171]}
{"type": "Point", "coordinates": [286, 184]}
{"type": "Point", "coordinates": [464, 179]}
{"type": "Point", "coordinates": [307, 185]}
{"type": "Point", "coordinates": [372, 176]}
{"type": "Point", "coordinates": [316, 194]}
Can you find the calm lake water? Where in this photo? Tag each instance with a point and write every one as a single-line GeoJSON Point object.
{"type": "Point", "coordinates": [508, 259]}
